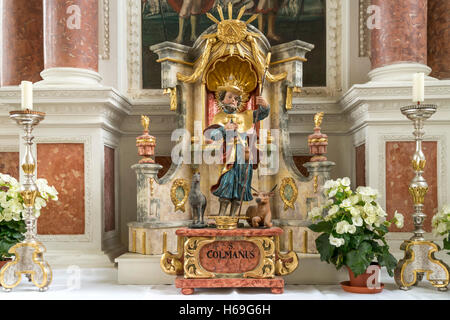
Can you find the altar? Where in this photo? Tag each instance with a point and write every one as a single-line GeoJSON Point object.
{"type": "Point", "coordinates": [229, 123]}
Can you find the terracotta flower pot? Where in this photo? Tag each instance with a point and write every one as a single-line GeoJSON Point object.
{"type": "Point", "coordinates": [361, 280]}
{"type": "Point", "coordinates": [3, 263]}
{"type": "Point", "coordinates": [360, 283]}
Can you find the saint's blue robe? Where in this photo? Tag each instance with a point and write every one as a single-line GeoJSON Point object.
{"type": "Point", "coordinates": [231, 182]}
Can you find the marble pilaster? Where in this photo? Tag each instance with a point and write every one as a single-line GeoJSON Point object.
{"type": "Point", "coordinates": [70, 42]}
{"type": "Point", "coordinates": [438, 38]}
{"type": "Point", "coordinates": [399, 43]}
{"type": "Point", "coordinates": [22, 48]}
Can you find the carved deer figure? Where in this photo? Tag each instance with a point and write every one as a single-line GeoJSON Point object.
{"type": "Point", "coordinates": [260, 215]}
{"type": "Point", "coordinates": [197, 201]}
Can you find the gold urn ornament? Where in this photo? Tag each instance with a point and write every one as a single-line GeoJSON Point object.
{"type": "Point", "coordinates": [146, 143]}
{"type": "Point", "coordinates": [318, 141]}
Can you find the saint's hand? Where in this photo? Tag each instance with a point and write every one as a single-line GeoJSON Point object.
{"type": "Point", "coordinates": [260, 101]}
{"type": "Point", "coordinates": [231, 126]}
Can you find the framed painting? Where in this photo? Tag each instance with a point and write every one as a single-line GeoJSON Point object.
{"type": "Point", "coordinates": [281, 21]}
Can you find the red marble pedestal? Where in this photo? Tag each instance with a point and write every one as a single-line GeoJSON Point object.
{"type": "Point", "coordinates": [188, 286]}
{"type": "Point", "coordinates": [238, 258]}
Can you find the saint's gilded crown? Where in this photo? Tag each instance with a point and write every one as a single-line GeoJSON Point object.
{"type": "Point", "coordinates": [231, 85]}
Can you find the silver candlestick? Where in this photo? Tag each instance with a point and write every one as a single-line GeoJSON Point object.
{"type": "Point", "coordinates": [419, 254]}
{"type": "Point", "coordinates": [29, 253]}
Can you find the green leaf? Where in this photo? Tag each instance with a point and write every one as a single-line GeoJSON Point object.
{"type": "Point", "coordinates": [324, 247]}
{"type": "Point", "coordinates": [387, 260]}
{"type": "Point", "coordinates": [323, 226]}
{"type": "Point", "coordinates": [357, 260]}
{"type": "Point", "coordinates": [447, 243]}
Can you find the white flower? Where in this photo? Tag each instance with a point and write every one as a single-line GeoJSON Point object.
{"type": "Point", "coordinates": [332, 192]}
{"type": "Point", "coordinates": [346, 203]}
{"type": "Point", "coordinates": [355, 212]}
{"type": "Point", "coordinates": [367, 194]}
{"type": "Point", "coordinates": [329, 184]}
{"type": "Point", "coordinates": [399, 219]}
{"type": "Point", "coordinates": [346, 182]}
{"type": "Point", "coordinates": [445, 209]}
{"type": "Point", "coordinates": [39, 203]}
{"type": "Point", "coordinates": [315, 213]}
{"type": "Point", "coordinates": [333, 210]}
{"type": "Point", "coordinates": [337, 242]}
{"type": "Point", "coordinates": [354, 199]}
{"type": "Point", "coordinates": [357, 221]}
{"type": "Point", "coordinates": [342, 227]}
{"type": "Point", "coordinates": [442, 228]}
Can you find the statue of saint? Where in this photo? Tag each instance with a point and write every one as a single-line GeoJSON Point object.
{"type": "Point", "coordinates": [232, 125]}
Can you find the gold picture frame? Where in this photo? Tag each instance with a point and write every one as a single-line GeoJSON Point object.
{"type": "Point", "coordinates": [178, 199]}
{"type": "Point", "coordinates": [288, 193]}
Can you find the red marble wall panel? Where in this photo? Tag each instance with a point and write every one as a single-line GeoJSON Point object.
{"type": "Point", "coordinates": [399, 174]}
{"type": "Point", "coordinates": [22, 41]}
{"type": "Point", "coordinates": [71, 34]}
{"type": "Point", "coordinates": [360, 160]}
{"type": "Point", "coordinates": [299, 161]}
{"type": "Point", "coordinates": [62, 164]}
{"type": "Point", "coordinates": [439, 38]}
{"type": "Point", "coordinates": [109, 196]}
{"type": "Point", "coordinates": [10, 164]}
{"type": "Point", "coordinates": [402, 36]}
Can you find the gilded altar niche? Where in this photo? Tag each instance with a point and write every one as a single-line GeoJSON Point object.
{"type": "Point", "coordinates": [229, 54]}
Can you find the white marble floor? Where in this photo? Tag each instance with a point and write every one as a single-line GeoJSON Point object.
{"type": "Point", "coordinates": [96, 284]}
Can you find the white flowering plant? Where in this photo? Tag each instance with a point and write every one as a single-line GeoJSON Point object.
{"type": "Point", "coordinates": [353, 227]}
{"type": "Point", "coordinates": [441, 225]}
{"type": "Point", "coordinates": [12, 225]}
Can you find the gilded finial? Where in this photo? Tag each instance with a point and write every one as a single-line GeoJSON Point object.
{"type": "Point", "coordinates": [145, 121]}
{"type": "Point", "coordinates": [318, 119]}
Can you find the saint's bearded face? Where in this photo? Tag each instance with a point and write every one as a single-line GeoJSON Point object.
{"type": "Point", "coordinates": [229, 100]}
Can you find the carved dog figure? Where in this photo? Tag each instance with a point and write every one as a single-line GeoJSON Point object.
{"type": "Point", "coordinates": [260, 215]}
{"type": "Point", "coordinates": [197, 200]}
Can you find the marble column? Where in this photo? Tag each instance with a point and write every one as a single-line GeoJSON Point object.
{"type": "Point", "coordinates": [70, 42]}
{"type": "Point", "coordinates": [439, 38]}
{"type": "Point", "coordinates": [22, 48]}
{"type": "Point", "coordinates": [399, 40]}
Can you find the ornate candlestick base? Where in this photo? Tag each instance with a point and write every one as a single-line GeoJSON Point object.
{"type": "Point", "coordinates": [419, 260]}
{"type": "Point", "coordinates": [28, 254]}
{"type": "Point", "coordinates": [29, 261]}
{"type": "Point", "coordinates": [419, 254]}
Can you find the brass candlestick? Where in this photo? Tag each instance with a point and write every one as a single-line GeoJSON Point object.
{"type": "Point", "coordinates": [29, 253]}
{"type": "Point", "coordinates": [419, 254]}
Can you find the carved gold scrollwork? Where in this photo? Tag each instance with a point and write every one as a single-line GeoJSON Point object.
{"type": "Point", "coordinates": [201, 66]}
{"type": "Point", "coordinates": [286, 263]}
{"type": "Point", "coordinates": [289, 94]}
{"type": "Point", "coordinates": [266, 267]}
{"type": "Point", "coordinates": [172, 92]}
{"type": "Point", "coordinates": [172, 263]}
{"type": "Point", "coordinates": [192, 267]}
{"type": "Point", "coordinates": [232, 37]}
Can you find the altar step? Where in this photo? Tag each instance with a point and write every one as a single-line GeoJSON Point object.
{"type": "Point", "coordinates": [134, 268]}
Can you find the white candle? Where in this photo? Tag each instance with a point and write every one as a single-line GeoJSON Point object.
{"type": "Point", "coordinates": [27, 95]}
{"type": "Point", "coordinates": [419, 87]}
